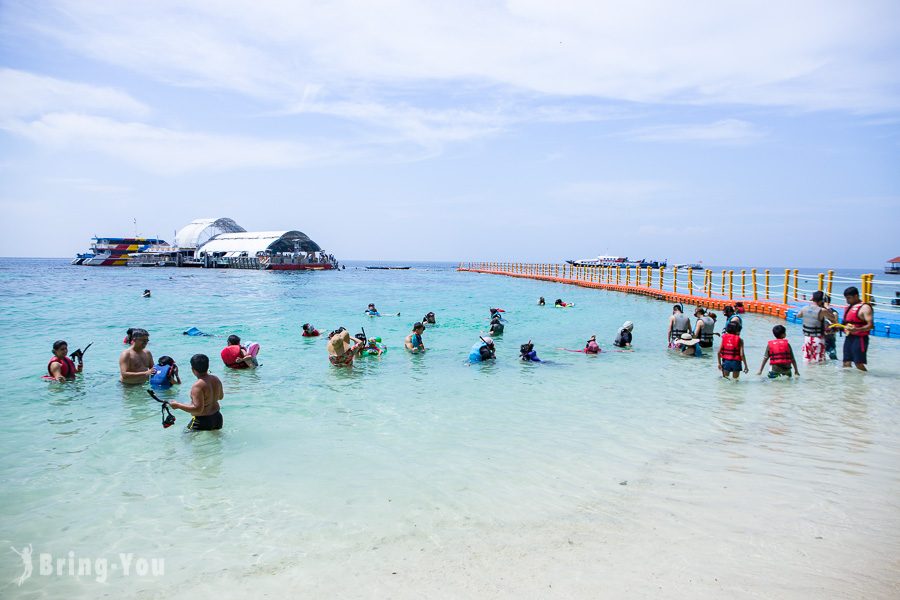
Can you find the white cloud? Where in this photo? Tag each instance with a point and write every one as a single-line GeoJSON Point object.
{"type": "Point", "coordinates": [27, 95]}
{"type": "Point", "coordinates": [812, 54]}
{"type": "Point", "coordinates": [727, 131]}
{"type": "Point", "coordinates": [163, 150]}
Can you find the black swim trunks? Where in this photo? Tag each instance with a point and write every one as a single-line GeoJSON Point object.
{"type": "Point", "coordinates": [855, 348]}
{"type": "Point", "coordinates": [206, 422]}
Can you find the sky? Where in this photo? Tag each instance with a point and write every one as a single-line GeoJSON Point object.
{"type": "Point", "coordinates": [755, 133]}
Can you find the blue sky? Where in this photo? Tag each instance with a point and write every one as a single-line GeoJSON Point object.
{"type": "Point", "coordinates": [733, 133]}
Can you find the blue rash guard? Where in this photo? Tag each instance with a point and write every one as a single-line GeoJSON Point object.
{"type": "Point", "coordinates": [531, 356]}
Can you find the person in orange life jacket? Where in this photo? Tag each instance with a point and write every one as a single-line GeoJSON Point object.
{"type": "Point", "coordinates": [235, 356]}
{"type": "Point", "coordinates": [780, 354]}
{"type": "Point", "coordinates": [816, 319]}
{"type": "Point", "coordinates": [61, 367]}
{"type": "Point", "coordinates": [731, 352]}
{"type": "Point", "coordinates": [678, 323]}
{"type": "Point", "coordinates": [858, 322]}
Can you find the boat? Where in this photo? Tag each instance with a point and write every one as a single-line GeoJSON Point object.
{"type": "Point", "coordinates": [893, 266]}
{"type": "Point", "coordinates": [617, 261]}
{"type": "Point", "coordinates": [113, 251]}
{"type": "Point", "coordinates": [388, 268]}
{"type": "Point", "coordinates": [697, 266]}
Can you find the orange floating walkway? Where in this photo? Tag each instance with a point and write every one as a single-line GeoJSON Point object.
{"type": "Point", "coordinates": [763, 307]}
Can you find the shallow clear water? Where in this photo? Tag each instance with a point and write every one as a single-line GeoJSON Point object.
{"type": "Point", "coordinates": [318, 465]}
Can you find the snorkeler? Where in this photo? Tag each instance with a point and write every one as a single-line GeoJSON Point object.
{"type": "Point", "coordinates": [528, 353]}
{"type": "Point", "coordinates": [372, 311]}
{"type": "Point", "coordinates": [205, 396]}
{"type": "Point", "coordinates": [496, 327]}
{"type": "Point", "coordinates": [429, 319]}
{"type": "Point", "coordinates": [146, 294]}
{"type": "Point", "coordinates": [309, 331]}
{"type": "Point", "coordinates": [413, 341]}
{"type": "Point", "coordinates": [483, 350]}
{"type": "Point", "coordinates": [541, 301]}
{"type": "Point", "coordinates": [623, 338]}
{"type": "Point", "coordinates": [560, 304]}
{"type": "Point", "coordinates": [236, 356]}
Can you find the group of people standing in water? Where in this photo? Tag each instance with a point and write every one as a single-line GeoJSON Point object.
{"type": "Point", "coordinates": [820, 328]}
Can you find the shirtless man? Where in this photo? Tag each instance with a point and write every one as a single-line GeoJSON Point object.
{"type": "Point", "coordinates": [205, 395]}
{"type": "Point", "coordinates": [136, 362]}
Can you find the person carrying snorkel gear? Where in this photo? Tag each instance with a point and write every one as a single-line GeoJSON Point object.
{"type": "Point", "coordinates": [413, 341]}
{"type": "Point", "coordinates": [205, 396]}
{"type": "Point", "coordinates": [623, 339]}
{"type": "Point", "coordinates": [482, 351]}
{"type": "Point", "coordinates": [528, 353]}
{"type": "Point", "coordinates": [309, 331]}
{"type": "Point", "coordinates": [136, 362]}
{"type": "Point", "coordinates": [61, 367]}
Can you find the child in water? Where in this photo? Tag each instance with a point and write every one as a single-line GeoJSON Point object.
{"type": "Point", "coordinates": [731, 352]}
{"type": "Point", "coordinates": [779, 354]}
{"type": "Point", "coordinates": [165, 374]}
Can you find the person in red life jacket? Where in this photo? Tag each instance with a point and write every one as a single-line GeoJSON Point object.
{"type": "Point", "coordinates": [235, 356]}
{"type": "Point", "coordinates": [780, 354]}
{"type": "Point", "coordinates": [309, 331]}
{"type": "Point", "coordinates": [858, 322]}
{"type": "Point", "coordinates": [731, 352]}
{"type": "Point", "coordinates": [61, 367]}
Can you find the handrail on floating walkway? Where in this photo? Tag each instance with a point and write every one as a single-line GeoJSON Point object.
{"type": "Point", "coordinates": [756, 292]}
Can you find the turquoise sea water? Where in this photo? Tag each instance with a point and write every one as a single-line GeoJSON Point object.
{"type": "Point", "coordinates": [402, 462]}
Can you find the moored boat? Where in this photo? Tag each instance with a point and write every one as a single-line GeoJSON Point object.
{"type": "Point", "coordinates": [113, 251]}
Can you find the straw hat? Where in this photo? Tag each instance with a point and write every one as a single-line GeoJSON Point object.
{"type": "Point", "coordinates": [340, 344]}
{"type": "Point", "coordinates": [688, 340]}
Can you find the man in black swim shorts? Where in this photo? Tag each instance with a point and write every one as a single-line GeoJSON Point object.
{"type": "Point", "coordinates": [205, 395]}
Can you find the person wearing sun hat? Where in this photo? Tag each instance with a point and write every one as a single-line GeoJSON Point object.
{"type": "Point", "coordinates": [687, 345]}
{"type": "Point", "coordinates": [623, 339]}
{"type": "Point", "coordinates": [342, 348]}
{"type": "Point", "coordinates": [482, 351]}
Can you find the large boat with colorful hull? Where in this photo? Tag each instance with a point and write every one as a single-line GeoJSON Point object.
{"type": "Point", "coordinates": [113, 251]}
{"type": "Point", "coordinates": [617, 261]}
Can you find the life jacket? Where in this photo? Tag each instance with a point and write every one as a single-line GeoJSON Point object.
{"type": "Point", "coordinates": [230, 354]}
{"type": "Point", "coordinates": [779, 352]}
{"type": "Point", "coordinates": [851, 317]}
{"type": "Point", "coordinates": [680, 325]}
{"type": "Point", "coordinates": [312, 333]}
{"type": "Point", "coordinates": [706, 332]}
{"type": "Point", "coordinates": [731, 346]}
{"type": "Point", "coordinates": [812, 324]}
{"type": "Point", "coordinates": [475, 352]}
{"type": "Point", "coordinates": [592, 347]}
{"type": "Point", "coordinates": [66, 367]}
{"type": "Point", "coordinates": [160, 379]}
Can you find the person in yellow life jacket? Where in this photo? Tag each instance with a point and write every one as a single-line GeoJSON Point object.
{"type": "Point", "coordinates": [780, 354]}
{"type": "Point", "coordinates": [731, 352]}
{"type": "Point", "coordinates": [858, 322]}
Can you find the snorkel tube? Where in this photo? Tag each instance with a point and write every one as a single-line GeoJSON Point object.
{"type": "Point", "coordinates": [167, 418]}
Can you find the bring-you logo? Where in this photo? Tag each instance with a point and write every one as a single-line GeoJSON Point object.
{"type": "Point", "coordinates": [98, 568]}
